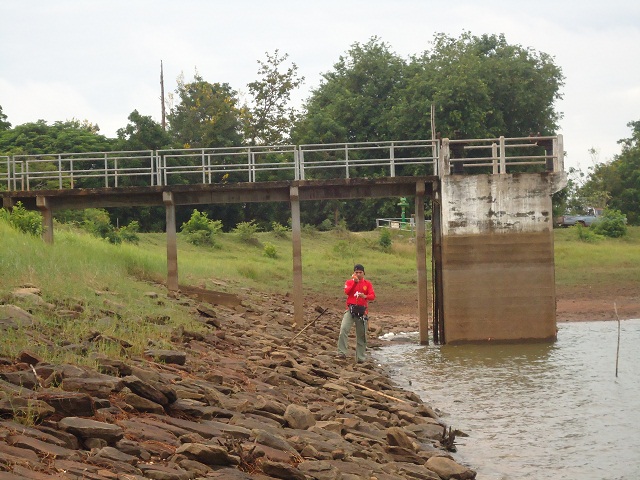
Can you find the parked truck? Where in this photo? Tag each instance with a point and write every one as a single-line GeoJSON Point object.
{"type": "Point", "coordinates": [591, 215]}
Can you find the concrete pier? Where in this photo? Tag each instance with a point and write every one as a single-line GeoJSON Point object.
{"type": "Point", "coordinates": [498, 280]}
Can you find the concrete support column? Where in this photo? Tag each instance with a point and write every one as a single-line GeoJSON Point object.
{"type": "Point", "coordinates": [172, 242]}
{"type": "Point", "coordinates": [44, 205]}
{"type": "Point", "coordinates": [421, 260]}
{"type": "Point", "coordinates": [296, 232]}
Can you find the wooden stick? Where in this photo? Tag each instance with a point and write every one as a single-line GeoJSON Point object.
{"type": "Point", "coordinates": [618, 348]}
{"type": "Point", "coordinates": [376, 391]}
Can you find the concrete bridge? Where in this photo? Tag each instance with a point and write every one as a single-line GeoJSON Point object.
{"type": "Point", "coordinates": [492, 248]}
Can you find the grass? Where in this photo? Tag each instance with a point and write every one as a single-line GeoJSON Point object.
{"type": "Point", "coordinates": [106, 285]}
{"type": "Point", "coordinates": [609, 261]}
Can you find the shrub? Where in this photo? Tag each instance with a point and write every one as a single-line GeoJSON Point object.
{"type": "Point", "coordinates": [326, 225]}
{"type": "Point", "coordinates": [26, 221]}
{"type": "Point", "coordinates": [385, 239]}
{"type": "Point", "coordinates": [270, 250]}
{"type": "Point", "coordinates": [612, 224]}
{"type": "Point", "coordinates": [587, 235]}
{"type": "Point", "coordinates": [129, 233]}
{"type": "Point", "coordinates": [200, 230]}
{"type": "Point", "coordinates": [246, 231]}
{"type": "Point", "coordinates": [279, 230]}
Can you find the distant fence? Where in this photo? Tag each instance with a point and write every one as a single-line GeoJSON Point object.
{"type": "Point", "coordinates": [281, 162]}
{"type": "Point", "coordinates": [400, 224]}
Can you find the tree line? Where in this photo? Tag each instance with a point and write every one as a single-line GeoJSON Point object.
{"type": "Point", "coordinates": [480, 86]}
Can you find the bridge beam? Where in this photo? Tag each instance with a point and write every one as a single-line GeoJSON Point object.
{"type": "Point", "coordinates": [172, 242]}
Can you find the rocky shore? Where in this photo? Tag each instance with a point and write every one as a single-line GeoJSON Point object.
{"type": "Point", "coordinates": [252, 398]}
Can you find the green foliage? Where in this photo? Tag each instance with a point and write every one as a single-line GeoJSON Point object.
{"type": "Point", "coordinates": [326, 225]}
{"type": "Point", "coordinates": [62, 137]}
{"type": "Point", "coordinates": [385, 239]}
{"type": "Point", "coordinates": [246, 231]}
{"type": "Point", "coordinates": [26, 221]}
{"type": "Point", "coordinates": [268, 121]}
{"type": "Point", "coordinates": [611, 224]}
{"type": "Point", "coordinates": [207, 115]}
{"type": "Point", "coordinates": [586, 234]}
{"type": "Point", "coordinates": [200, 230]}
{"type": "Point", "coordinates": [142, 133]}
{"type": "Point", "coordinates": [129, 233]}
{"type": "Point", "coordinates": [619, 180]}
{"type": "Point", "coordinates": [270, 250]}
{"type": "Point", "coordinates": [280, 230]}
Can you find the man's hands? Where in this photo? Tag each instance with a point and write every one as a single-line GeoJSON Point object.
{"type": "Point", "coordinates": [355, 278]}
{"type": "Point", "coordinates": [359, 294]}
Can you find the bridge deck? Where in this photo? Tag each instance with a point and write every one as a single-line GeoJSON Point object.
{"type": "Point", "coordinates": [199, 194]}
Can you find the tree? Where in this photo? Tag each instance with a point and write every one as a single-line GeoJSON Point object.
{"type": "Point", "coordinates": [142, 133]}
{"type": "Point", "coordinates": [355, 102]}
{"type": "Point", "coordinates": [71, 136]}
{"type": "Point", "coordinates": [4, 125]}
{"type": "Point", "coordinates": [207, 115]}
{"type": "Point", "coordinates": [481, 87]}
{"type": "Point", "coordinates": [619, 180]}
{"type": "Point", "coordinates": [269, 120]}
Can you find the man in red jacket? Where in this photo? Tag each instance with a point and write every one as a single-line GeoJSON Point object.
{"type": "Point", "coordinates": [359, 293]}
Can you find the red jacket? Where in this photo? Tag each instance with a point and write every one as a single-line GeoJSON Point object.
{"type": "Point", "coordinates": [363, 286]}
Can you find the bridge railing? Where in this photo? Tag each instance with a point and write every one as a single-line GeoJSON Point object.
{"type": "Point", "coordinates": [503, 154]}
{"type": "Point", "coordinates": [82, 170]}
{"type": "Point", "coordinates": [283, 162]}
{"type": "Point", "coordinates": [346, 160]}
{"type": "Point", "coordinates": [232, 164]}
{"type": "Point", "coordinates": [5, 172]}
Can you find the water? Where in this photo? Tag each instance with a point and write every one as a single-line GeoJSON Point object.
{"type": "Point", "coordinates": [535, 411]}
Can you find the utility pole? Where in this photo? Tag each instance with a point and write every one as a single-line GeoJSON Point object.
{"type": "Point", "coordinates": [164, 113]}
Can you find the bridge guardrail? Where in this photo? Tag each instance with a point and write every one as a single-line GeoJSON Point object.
{"type": "Point", "coordinates": [5, 172]}
{"type": "Point", "coordinates": [503, 154]}
{"type": "Point", "coordinates": [221, 165]}
{"type": "Point", "coordinates": [280, 162]}
{"type": "Point", "coordinates": [356, 157]}
{"type": "Point", "coordinates": [83, 170]}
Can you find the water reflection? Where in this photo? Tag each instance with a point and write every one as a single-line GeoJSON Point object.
{"type": "Point", "coordinates": [535, 410]}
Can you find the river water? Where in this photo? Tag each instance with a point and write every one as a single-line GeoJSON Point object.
{"type": "Point", "coordinates": [534, 411]}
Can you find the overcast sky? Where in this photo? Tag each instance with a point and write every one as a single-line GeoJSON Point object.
{"type": "Point", "coordinates": [100, 60]}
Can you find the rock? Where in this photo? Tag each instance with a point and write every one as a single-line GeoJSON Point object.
{"type": "Point", "coordinates": [207, 454]}
{"type": "Point", "coordinates": [69, 403]}
{"type": "Point", "coordinates": [86, 428]}
{"type": "Point", "coordinates": [282, 470]}
{"type": "Point", "coordinates": [168, 356]}
{"type": "Point", "coordinates": [13, 317]}
{"type": "Point", "coordinates": [396, 436]}
{"type": "Point", "coordinates": [299, 417]}
{"type": "Point", "coordinates": [145, 390]}
{"type": "Point", "coordinates": [447, 468]}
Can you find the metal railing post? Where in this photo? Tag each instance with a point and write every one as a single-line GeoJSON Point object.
{"type": "Point", "coordinates": [494, 157]}
{"type": "Point", "coordinates": [392, 163]}
{"type": "Point", "coordinates": [503, 154]}
{"type": "Point", "coordinates": [346, 158]}
{"type": "Point", "coordinates": [60, 171]}
{"type": "Point", "coordinates": [204, 175]}
{"type": "Point", "coordinates": [106, 171]}
{"type": "Point", "coordinates": [301, 163]}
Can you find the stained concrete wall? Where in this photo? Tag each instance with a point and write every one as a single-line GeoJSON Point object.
{"type": "Point", "coordinates": [497, 257]}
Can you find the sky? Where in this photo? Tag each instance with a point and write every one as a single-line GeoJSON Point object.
{"type": "Point", "coordinates": [100, 60]}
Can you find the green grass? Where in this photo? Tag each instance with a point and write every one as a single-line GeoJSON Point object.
{"type": "Point", "coordinates": [608, 261]}
{"type": "Point", "coordinates": [107, 283]}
